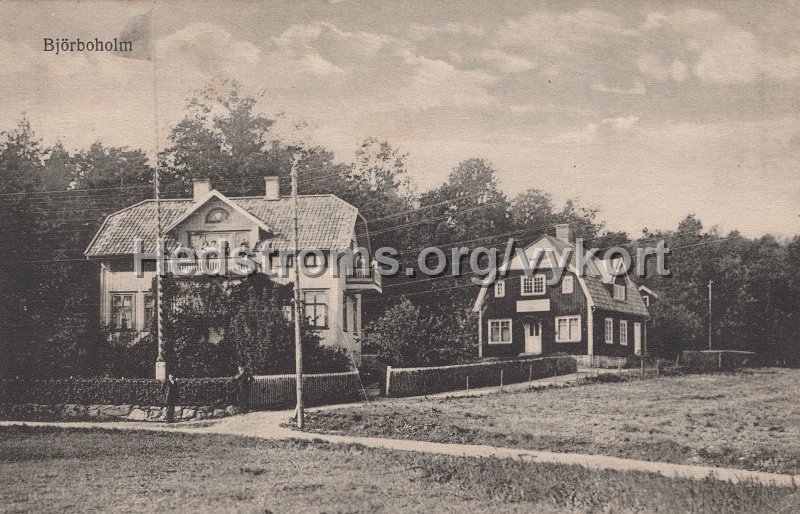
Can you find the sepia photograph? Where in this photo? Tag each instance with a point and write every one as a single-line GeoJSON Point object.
{"type": "Point", "coordinates": [324, 256]}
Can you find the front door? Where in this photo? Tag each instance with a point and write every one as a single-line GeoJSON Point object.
{"type": "Point", "coordinates": [637, 338]}
{"type": "Point", "coordinates": [533, 337]}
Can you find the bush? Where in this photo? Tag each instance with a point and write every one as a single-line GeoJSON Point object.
{"type": "Point", "coordinates": [420, 381]}
{"type": "Point", "coordinates": [217, 392]}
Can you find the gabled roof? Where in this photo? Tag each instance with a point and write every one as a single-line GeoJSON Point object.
{"type": "Point", "coordinates": [224, 199]}
{"type": "Point", "coordinates": [325, 222]}
{"type": "Point", "coordinates": [595, 286]}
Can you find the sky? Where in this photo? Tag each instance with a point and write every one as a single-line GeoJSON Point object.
{"type": "Point", "coordinates": [646, 110]}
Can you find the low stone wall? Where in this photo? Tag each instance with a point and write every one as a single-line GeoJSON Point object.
{"type": "Point", "coordinates": [29, 411]}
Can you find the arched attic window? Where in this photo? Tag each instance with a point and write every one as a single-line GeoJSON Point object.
{"type": "Point", "coordinates": [216, 215]}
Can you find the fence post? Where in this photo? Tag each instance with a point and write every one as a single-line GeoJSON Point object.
{"type": "Point", "coordinates": [501, 380]}
{"type": "Point", "coordinates": [467, 383]}
{"type": "Point", "coordinates": [388, 379]}
{"type": "Point", "coordinates": [619, 367]}
{"type": "Point", "coordinates": [720, 360]}
{"type": "Point", "coordinates": [530, 376]}
{"type": "Point", "coordinates": [641, 367]}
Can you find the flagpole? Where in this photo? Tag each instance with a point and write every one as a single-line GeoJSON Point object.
{"type": "Point", "coordinates": [161, 362]}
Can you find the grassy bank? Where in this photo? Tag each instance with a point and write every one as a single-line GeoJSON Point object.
{"type": "Point", "coordinates": [90, 471]}
{"type": "Point", "coordinates": [748, 419]}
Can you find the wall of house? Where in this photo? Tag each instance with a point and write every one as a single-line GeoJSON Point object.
{"type": "Point", "coordinates": [236, 221]}
{"type": "Point", "coordinates": [615, 349]}
{"type": "Point", "coordinates": [560, 304]}
{"type": "Point", "coordinates": [117, 276]}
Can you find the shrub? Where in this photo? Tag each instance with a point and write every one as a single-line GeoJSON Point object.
{"type": "Point", "coordinates": [218, 392]}
{"type": "Point", "coordinates": [420, 381]}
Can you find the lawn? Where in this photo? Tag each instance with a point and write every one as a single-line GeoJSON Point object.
{"type": "Point", "coordinates": [748, 419]}
{"type": "Point", "coordinates": [103, 470]}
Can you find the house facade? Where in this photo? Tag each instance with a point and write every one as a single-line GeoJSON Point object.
{"type": "Point", "coordinates": [533, 314]}
{"type": "Point", "coordinates": [333, 301]}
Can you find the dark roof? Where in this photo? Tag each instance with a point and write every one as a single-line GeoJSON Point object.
{"type": "Point", "coordinates": [601, 291]}
{"type": "Point", "coordinates": [325, 222]}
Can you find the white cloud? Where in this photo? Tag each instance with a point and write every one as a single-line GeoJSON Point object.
{"type": "Point", "coordinates": [723, 52]}
{"type": "Point", "coordinates": [505, 62]}
{"type": "Point", "coordinates": [653, 67]}
{"type": "Point", "coordinates": [638, 88]}
{"type": "Point", "coordinates": [419, 32]}
{"type": "Point", "coordinates": [557, 33]}
{"type": "Point", "coordinates": [621, 123]}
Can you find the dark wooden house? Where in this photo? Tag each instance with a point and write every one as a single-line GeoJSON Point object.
{"type": "Point", "coordinates": [531, 313]}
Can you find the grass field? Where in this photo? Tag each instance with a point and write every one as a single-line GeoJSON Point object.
{"type": "Point", "coordinates": [89, 471]}
{"type": "Point", "coordinates": [748, 419]}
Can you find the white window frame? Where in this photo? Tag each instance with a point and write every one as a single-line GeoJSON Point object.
{"type": "Point", "coordinates": [533, 281]}
{"type": "Point", "coordinates": [133, 321]}
{"type": "Point", "coordinates": [573, 338]}
{"type": "Point", "coordinates": [637, 340]}
{"type": "Point", "coordinates": [500, 289]}
{"type": "Point", "coordinates": [568, 279]}
{"type": "Point", "coordinates": [623, 332]}
{"type": "Point", "coordinates": [500, 328]}
{"type": "Point", "coordinates": [622, 289]}
{"type": "Point", "coordinates": [609, 332]}
{"type": "Point", "coordinates": [320, 309]}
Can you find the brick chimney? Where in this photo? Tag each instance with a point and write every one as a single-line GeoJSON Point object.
{"type": "Point", "coordinates": [200, 188]}
{"type": "Point", "coordinates": [564, 232]}
{"type": "Point", "coordinates": [273, 188]}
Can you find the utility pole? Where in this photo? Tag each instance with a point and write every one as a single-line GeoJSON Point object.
{"type": "Point", "coordinates": [298, 346]}
{"type": "Point", "coordinates": [709, 313]}
{"type": "Point", "coordinates": [161, 361]}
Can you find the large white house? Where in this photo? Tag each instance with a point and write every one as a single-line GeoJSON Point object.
{"type": "Point", "coordinates": [333, 304]}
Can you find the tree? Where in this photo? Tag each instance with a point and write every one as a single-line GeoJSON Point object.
{"type": "Point", "coordinates": [221, 138]}
{"type": "Point", "coordinates": [404, 336]}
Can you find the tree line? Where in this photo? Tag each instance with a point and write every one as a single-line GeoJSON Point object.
{"type": "Point", "coordinates": [55, 201]}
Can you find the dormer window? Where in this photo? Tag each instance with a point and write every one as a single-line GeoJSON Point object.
{"type": "Point", "coordinates": [619, 292]}
{"type": "Point", "coordinates": [216, 215]}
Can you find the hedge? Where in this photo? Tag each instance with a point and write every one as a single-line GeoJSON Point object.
{"type": "Point", "coordinates": [272, 391]}
{"type": "Point", "coordinates": [217, 392]}
{"type": "Point", "coordinates": [422, 381]}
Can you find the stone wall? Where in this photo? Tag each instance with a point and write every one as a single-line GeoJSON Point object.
{"type": "Point", "coordinates": [30, 411]}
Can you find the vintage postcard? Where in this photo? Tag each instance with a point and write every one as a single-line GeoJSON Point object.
{"type": "Point", "coordinates": [395, 255]}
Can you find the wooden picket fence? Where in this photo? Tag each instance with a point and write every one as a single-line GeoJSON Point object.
{"type": "Point", "coordinates": [277, 391]}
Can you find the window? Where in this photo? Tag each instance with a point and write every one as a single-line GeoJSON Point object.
{"type": "Point", "coordinates": [316, 306]}
{"type": "Point", "coordinates": [344, 314]}
{"type": "Point", "coordinates": [646, 300]}
{"type": "Point", "coordinates": [123, 310]}
{"type": "Point", "coordinates": [623, 332]}
{"type": "Point", "coordinates": [567, 285]}
{"type": "Point", "coordinates": [568, 329]}
{"type": "Point", "coordinates": [609, 331]}
{"type": "Point", "coordinates": [355, 316]}
{"type": "Point", "coordinates": [216, 216]}
{"type": "Point", "coordinates": [637, 335]}
{"type": "Point", "coordinates": [499, 288]}
{"type": "Point", "coordinates": [533, 285]}
{"type": "Point", "coordinates": [619, 292]}
{"type": "Point", "coordinates": [500, 331]}
{"type": "Point", "coordinates": [313, 260]}
{"type": "Point", "coordinates": [149, 311]}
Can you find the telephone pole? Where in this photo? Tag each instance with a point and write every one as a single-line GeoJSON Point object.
{"type": "Point", "coordinates": [298, 346]}
{"type": "Point", "coordinates": [709, 313]}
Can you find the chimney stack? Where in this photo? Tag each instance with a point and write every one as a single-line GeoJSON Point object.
{"type": "Point", "coordinates": [200, 188]}
{"type": "Point", "coordinates": [273, 188]}
{"type": "Point", "coordinates": [564, 232]}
